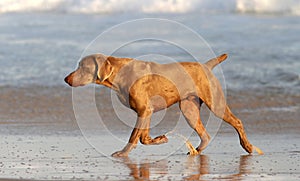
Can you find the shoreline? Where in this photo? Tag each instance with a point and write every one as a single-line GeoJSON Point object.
{"type": "Point", "coordinates": [263, 113]}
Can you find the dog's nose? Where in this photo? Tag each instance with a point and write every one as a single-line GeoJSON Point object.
{"type": "Point", "coordinates": [69, 79]}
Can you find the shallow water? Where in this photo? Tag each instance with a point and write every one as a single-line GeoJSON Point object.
{"type": "Point", "coordinates": [71, 157]}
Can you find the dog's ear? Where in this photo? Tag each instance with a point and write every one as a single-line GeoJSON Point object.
{"type": "Point", "coordinates": [105, 71]}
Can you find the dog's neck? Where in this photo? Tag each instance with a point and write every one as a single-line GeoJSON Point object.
{"type": "Point", "coordinates": [117, 64]}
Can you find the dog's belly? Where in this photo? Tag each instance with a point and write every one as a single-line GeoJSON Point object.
{"type": "Point", "coordinates": [159, 102]}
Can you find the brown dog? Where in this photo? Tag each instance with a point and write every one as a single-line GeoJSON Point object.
{"type": "Point", "coordinates": [147, 87]}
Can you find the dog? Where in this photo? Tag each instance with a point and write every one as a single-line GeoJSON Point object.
{"type": "Point", "coordinates": [148, 87]}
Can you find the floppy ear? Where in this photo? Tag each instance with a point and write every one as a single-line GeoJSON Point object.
{"type": "Point", "coordinates": [105, 71]}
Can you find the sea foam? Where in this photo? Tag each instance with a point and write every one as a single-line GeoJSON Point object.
{"type": "Point", "coordinates": [152, 6]}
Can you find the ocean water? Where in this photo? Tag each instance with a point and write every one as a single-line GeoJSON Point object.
{"type": "Point", "coordinates": [42, 41]}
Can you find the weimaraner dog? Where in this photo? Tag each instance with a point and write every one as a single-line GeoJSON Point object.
{"type": "Point", "coordinates": [147, 87]}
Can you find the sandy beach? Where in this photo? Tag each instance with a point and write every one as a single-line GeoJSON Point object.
{"type": "Point", "coordinates": [41, 140]}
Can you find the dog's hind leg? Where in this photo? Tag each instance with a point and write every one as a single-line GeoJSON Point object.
{"type": "Point", "coordinates": [190, 108]}
{"type": "Point", "coordinates": [230, 118]}
{"type": "Point", "coordinates": [215, 101]}
{"type": "Point", "coordinates": [235, 122]}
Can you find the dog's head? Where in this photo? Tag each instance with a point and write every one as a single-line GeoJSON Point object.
{"type": "Point", "coordinates": [91, 69]}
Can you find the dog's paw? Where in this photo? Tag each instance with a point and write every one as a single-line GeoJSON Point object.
{"type": "Point", "coordinates": [192, 150]}
{"type": "Point", "coordinates": [120, 154]}
{"type": "Point", "coordinates": [161, 139]}
{"type": "Point", "coordinates": [259, 151]}
{"type": "Point", "coordinates": [193, 153]}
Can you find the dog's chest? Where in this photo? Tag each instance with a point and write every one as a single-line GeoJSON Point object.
{"type": "Point", "coordinates": [123, 98]}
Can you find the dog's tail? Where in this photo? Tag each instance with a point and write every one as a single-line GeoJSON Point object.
{"type": "Point", "coordinates": [215, 61]}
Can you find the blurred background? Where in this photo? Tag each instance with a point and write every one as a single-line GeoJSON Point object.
{"type": "Point", "coordinates": [43, 40]}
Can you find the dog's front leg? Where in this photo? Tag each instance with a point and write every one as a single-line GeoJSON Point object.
{"type": "Point", "coordinates": [142, 125]}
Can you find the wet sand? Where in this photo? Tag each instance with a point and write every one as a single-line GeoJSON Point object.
{"type": "Point", "coordinates": [41, 140]}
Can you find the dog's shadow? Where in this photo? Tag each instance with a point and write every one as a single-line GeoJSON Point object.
{"type": "Point", "coordinates": [194, 168]}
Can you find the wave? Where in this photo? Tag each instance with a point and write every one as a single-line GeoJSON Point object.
{"type": "Point", "coordinates": [269, 6]}
{"type": "Point", "coordinates": [152, 6]}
